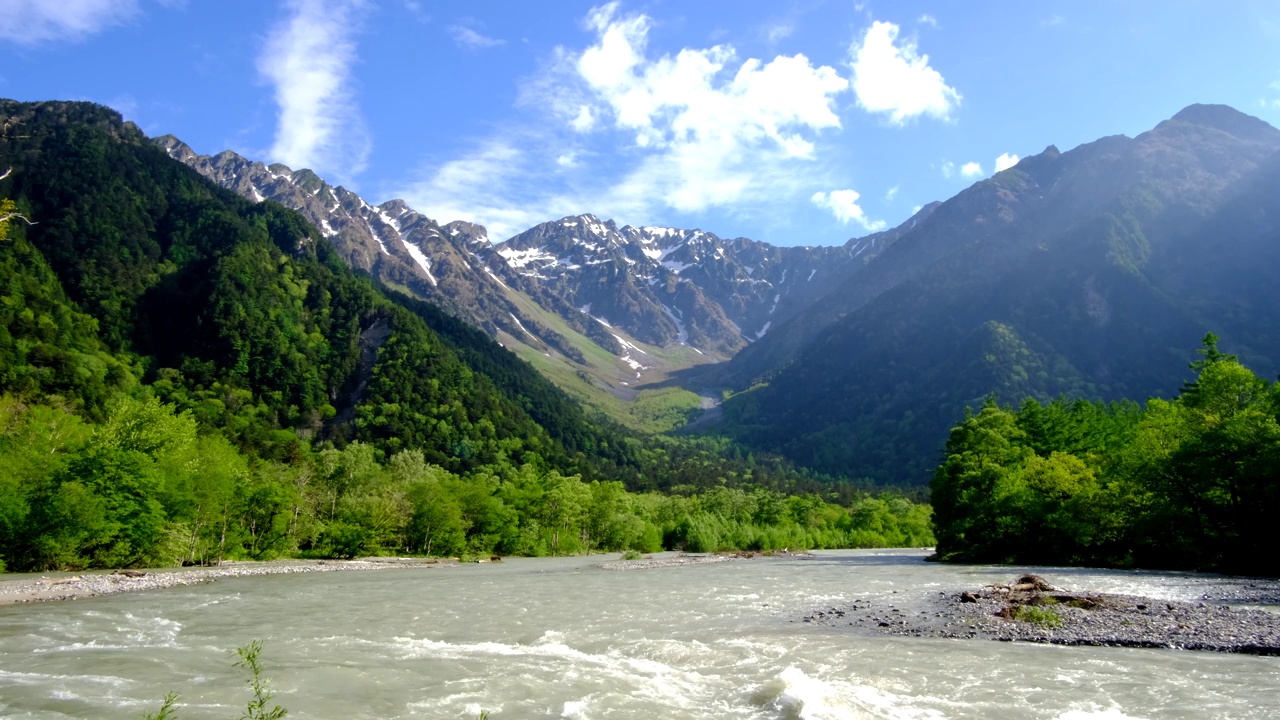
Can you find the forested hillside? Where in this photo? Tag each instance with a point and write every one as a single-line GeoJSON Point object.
{"type": "Point", "coordinates": [1189, 483]}
{"type": "Point", "coordinates": [189, 376]}
{"type": "Point", "coordinates": [1090, 274]}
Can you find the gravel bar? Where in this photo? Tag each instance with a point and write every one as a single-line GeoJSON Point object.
{"type": "Point", "coordinates": [1094, 619]}
{"type": "Point", "coordinates": [94, 584]}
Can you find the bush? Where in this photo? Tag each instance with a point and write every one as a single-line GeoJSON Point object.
{"type": "Point", "coordinates": [1042, 616]}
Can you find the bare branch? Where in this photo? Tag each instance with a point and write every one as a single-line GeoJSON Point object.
{"type": "Point", "coordinates": [10, 216]}
{"type": "Point", "coordinates": [6, 173]}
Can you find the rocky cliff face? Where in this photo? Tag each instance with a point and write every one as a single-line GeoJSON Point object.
{"type": "Point", "coordinates": [667, 286]}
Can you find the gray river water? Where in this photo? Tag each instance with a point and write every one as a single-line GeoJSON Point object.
{"type": "Point", "coordinates": [562, 638]}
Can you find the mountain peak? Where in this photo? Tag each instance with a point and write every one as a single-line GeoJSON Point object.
{"type": "Point", "coordinates": [1228, 120]}
{"type": "Point", "coordinates": [175, 147]}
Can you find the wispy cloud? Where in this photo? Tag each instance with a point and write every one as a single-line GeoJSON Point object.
{"type": "Point", "coordinates": [698, 130]}
{"type": "Point", "coordinates": [894, 79]}
{"type": "Point", "coordinates": [927, 19]}
{"type": "Point", "coordinates": [465, 37]}
{"type": "Point", "coordinates": [775, 32]}
{"type": "Point", "coordinates": [843, 204]}
{"type": "Point", "coordinates": [1052, 20]}
{"type": "Point", "coordinates": [891, 193]}
{"type": "Point", "coordinates": [35, 22]}
{"type": "Point", "coordinates": [308, 58]}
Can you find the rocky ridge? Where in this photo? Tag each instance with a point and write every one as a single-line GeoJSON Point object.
{"type": "Point", "coordinates": [453, 266]}
{"type": "Point", "coordinates": [662, 286]}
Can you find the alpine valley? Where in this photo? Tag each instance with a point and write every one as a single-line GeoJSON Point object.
{"type": "Point", "coordinates": [317, 335]}
{"type": "Point", "coordinates": [1090, 273]}
{"type": "Point", "coordinates": [602, 309]}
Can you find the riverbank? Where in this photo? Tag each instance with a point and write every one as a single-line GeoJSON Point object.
{"type": "Point", "coordinates": [94, 584]}
{"type": "Point", "coordinates": [1029, 609]}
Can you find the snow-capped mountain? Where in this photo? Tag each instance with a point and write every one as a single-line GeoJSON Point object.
{"type": "Point", "coordinates": [616, 287]}
{"type": "Point", "coordinates": [668, 285]}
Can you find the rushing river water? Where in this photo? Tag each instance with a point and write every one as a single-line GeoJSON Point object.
{"type": "Point", "coordinates": [551, 638]}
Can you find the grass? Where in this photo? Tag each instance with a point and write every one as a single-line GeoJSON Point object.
{"type": "Point", "coordinates": [1045, 617]}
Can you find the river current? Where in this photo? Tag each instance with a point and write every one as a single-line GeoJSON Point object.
{"type": "Point", "coordinates": [563, 638]}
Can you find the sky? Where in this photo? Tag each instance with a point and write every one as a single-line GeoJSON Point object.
{"type": "Point", "coordinates": [796, 122]}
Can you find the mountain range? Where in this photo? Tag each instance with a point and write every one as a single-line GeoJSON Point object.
{"type": "Point", "coordinates": [1090, 273]}
{"type": "Point", "coordinates": [620, 306]}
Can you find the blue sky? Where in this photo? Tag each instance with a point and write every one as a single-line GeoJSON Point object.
{"type": "Point", "coordinates": [802, 122]}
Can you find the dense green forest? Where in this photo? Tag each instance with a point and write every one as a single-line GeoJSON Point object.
{"type": "Point", "coordinates": [147, 487]}
{"type": "Point", "coordinates": [1188, 483]}
{"type": "Point", "coordinates": [188, 376]}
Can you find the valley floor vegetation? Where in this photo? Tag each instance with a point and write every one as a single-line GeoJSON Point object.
{"type": "Point", "coordinates": [1188, 483]}
{"type": "Point", "coordinates": [147, 488]}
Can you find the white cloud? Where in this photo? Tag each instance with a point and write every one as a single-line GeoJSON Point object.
{"type": "Point", "coordinates": [927, 19]}
{"type": "Point", "coordinates": [32, 22]}
{"type": "Point", "coordinates": [895, 80]}
{"type": "Point", "coordinates": [696, 130]}
{"type": "Point", "coordinates": [970, 170]}
{"type": "Point", "coordinates": [701, 118]}
{"type": "Point", "coordinates": [500, 183]}
{"type": "Point", "coordinates": [1005, 161]}
{"type": "Point", "coordinates": [465, 37]}
{"type": "Point", "coordinates": [891, 193]}
{"type": "Point", "coordinates": [843, 204]}
{"type": "Point", "coordinates": [948, 169]}
{"type": "Point", "coordinates": [308, 58]}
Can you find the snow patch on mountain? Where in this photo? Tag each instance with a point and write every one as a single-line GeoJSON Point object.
{"type": "Point", "coordinates": [419, 257]}
{"type": "Point", "coordinates": [682, 334]}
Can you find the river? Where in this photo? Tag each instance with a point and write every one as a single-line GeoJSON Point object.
{"type": "Point", "coordinates": [562, 638]}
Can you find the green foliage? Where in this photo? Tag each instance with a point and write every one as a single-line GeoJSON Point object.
{"type": "Point", "coordinates": [1188, 483]}
{"type": "Point", "coordinates": [145, 488]}
{"type": "Point", "coordinates": [1045, 617]}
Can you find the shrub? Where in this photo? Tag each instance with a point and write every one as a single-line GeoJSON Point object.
{"type": "Point", "coordinates": [1042, 616]}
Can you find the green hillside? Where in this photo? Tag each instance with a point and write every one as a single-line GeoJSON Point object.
{"type": "Point", "coordinates": [1090, 274]}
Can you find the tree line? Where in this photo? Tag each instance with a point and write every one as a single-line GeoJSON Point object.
{"type": "Point", "coordinates": [149, 487]}
{"type": "Point", "coordinates": [1187, 483]}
